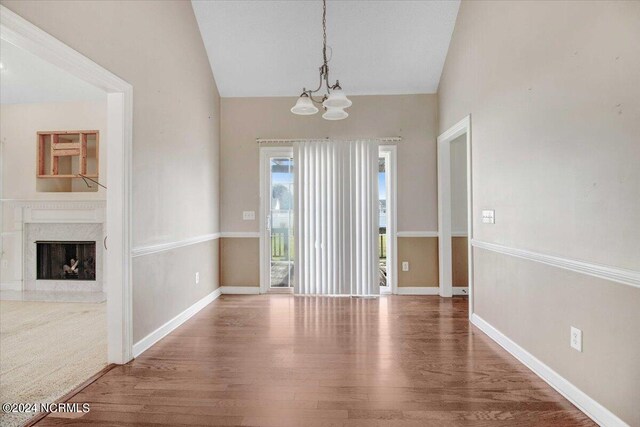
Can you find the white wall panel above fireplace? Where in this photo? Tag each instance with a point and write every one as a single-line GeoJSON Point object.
{"type": "Point", "coordinates": [62, 211]}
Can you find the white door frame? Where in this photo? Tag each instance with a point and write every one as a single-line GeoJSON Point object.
{"type": "Point", "coordinates": [444, 207]}
{"type": "Point", "coordinates": [390, 153]}
{"type": "Point", "coordinates": [27, 36]}
{"type": "Point", "coordinates": [265, 204]}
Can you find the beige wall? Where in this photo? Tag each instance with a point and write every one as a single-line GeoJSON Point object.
{"type": "Point", "coordinates": [156, 46]}
{"type": "Point", "coordinates": [411, 116]}
{"type": "Point", "coordinates": [460, 261]}
{"type": "Point", "coordinates": [422, 255]}
{"type": "Point", "coordinates": [240, 261]}
{"type": "Point", "coordinates": [458, 161]}
{"type": "Point", "coordinates": [173, 289]}
{"type": "Point", "coordinates": [19, 124]}
{"type": "Point", "coordinates": [556, 119]}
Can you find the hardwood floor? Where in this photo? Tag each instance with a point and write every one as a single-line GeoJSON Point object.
{"type": "Point", "coordinates": [279, 360]}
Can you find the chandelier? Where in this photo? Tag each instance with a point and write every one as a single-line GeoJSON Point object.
{"type": "Point", "coordinates": [334, 101]}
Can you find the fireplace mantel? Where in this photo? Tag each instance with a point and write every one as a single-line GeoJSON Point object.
{"type": "Point", "coordinates": [58, 211]}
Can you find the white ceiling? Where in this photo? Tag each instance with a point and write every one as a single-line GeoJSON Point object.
{"type": "Point", "coordinates": [26, 79]}
{"type": "Point", "coordinates": [274, 48]}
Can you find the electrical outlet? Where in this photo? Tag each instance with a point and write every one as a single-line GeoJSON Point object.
{"type": "Point", "coordinates": [197, 277]}
{"type": "Point", "coordinates": [405, 266]}
{"type": "Point", "coordinates": [576, 339]}
{"type": "Point", "coordinates": [249, 215]}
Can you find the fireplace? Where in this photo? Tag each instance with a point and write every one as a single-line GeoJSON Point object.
{"type": "Point", "coordinates": [66, 260]}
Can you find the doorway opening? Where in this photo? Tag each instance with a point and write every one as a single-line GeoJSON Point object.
{"type": "Point", "coordinates": [119, 113]}
{"type": "Point", "coordinates": [455, 211]}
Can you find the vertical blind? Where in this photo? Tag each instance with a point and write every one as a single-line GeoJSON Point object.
{"type": "Point", "coordinates": [337, 217]}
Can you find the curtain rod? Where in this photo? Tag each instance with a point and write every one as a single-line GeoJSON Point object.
{"type": "Point", "coordinates": [289, 141]}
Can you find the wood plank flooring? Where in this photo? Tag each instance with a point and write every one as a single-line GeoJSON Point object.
{"type": "Point", "coordinates": [279, 360]}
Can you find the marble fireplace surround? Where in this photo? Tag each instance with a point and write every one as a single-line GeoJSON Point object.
{"type": "Point", "coordinates": [61, 221]}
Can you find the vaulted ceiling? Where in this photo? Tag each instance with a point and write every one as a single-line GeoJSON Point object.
{"type": "Point", "coordinates": [274, 48]}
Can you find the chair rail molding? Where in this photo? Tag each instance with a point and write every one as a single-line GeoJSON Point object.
{"type": "Point", "coordinates": [167, 246]}
{"type": "Point", "coordinates": [614, 274]}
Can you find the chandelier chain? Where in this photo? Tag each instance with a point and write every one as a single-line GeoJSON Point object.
{"type": "Point", "coordinates": [324, 31]}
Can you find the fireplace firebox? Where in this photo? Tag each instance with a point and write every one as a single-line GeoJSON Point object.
{"type": "Point", "coordinates": [66, 260]}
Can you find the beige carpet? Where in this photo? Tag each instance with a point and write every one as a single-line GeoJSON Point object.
{"type": "Point", "coordinates": [47, 349]}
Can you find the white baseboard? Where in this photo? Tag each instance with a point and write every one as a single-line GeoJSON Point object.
{"type": "Point", "coordinates": [586, 404]}
{"type": "Point", "coordinates": [11, 286]}
{"type": "Point", "coordinates": [155, 336]}
{"type": "Point", "coordinates": [240, 290]}
{"type": "Point", "coordinates": [418, 290]}
{"type": "Point", "coordinates": [461, 290]}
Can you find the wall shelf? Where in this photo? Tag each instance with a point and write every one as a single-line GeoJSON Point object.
{"type": "Point", "coordinates": [59, 150]}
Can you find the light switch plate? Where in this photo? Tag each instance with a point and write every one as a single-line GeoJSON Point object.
{"type": "Point", "coordinates": [249, 215]}
{"type": "Point", "coordinates": [405, 266]}
{"type": "Point", "coordinates": [197, 277]}
{"type": "Point", "coordinates": [489, 216]}
{"type": "Point", "coordinates": [576, 339]}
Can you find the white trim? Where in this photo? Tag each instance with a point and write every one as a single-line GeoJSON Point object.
{"type": "Point", "coordinates": [459, 234]}
{"type": "Point", "coordinates": [240, 290]}
{"type": "Point", "coordinates": [586, 404]}
{"type": "Point", "coordinates": [119, 142]}
{"type": "Point", "coordinates": [161, 247]}
{"type": "Point", "coordinates": [240, 234]}
{"type": "Point", "coordinates": [614, 274]}
{"type": "Point", "coordinates": [418, 290]}
{"type": "Point", "coordinates": [164, 330]}
{"type": "Point", "coordinates": [461, 290]}
{"type": "Point", "coordinates": [445, 271]}
{"type": "Point", "coordinates": [417, 234]}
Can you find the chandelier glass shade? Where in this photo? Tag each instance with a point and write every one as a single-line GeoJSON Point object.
{"type": "Point", "coordinates": [335, 113]}
{"type": "Point", "coordinates": [337, 99]}
{"type": "Point", "coordinates": [304, 106]}
{"type": "Point", "coordinates": [334, 101]}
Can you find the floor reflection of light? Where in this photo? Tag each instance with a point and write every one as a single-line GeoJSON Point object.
{"type": "Point", "coordinates": [384, 334]}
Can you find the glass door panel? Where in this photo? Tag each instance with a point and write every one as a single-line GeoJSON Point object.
{"type": "Point", "coordinates": [281, 222]}
{"type": "Point", "coordinates": [382, 212]}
